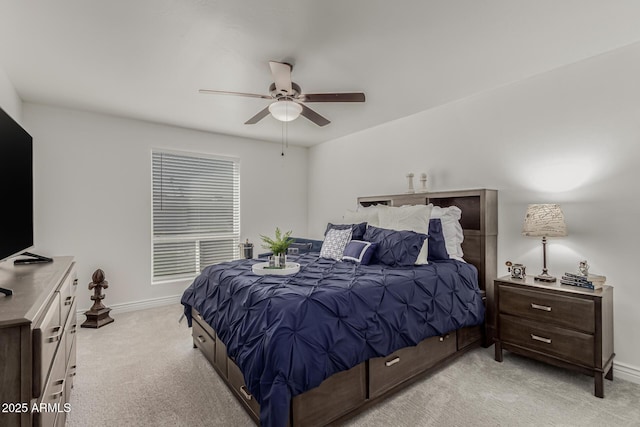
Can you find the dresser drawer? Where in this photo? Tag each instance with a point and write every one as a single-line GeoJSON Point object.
{"type": "Point", "coordinates": [573, 346]}
{"type": "Point", "coordinates": [46, 338]}
{"type": "Point", "coordinates": [236, 379]}
{"type": "Point", "coordinates": [71, 371]}
{"type": "Point", "coordinates": [70, 329]}
{"type": "Point", "coordinates": [67, 294]}
{"type": "Point", "coordinates": [387, 372]}
{"type": "Point", "coordinates": [559, 310]}
{"type": "Point", "coordinates": [204, 341]}
{"type": "Point", "coordinates": [53, 394]}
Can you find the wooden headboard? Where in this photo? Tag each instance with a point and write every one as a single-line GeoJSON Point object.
{"type": "Point", "coordinates": [480, 225]}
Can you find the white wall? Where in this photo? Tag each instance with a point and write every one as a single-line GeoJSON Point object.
{"type": "Point", "coordinates": [570, 136]}
{"type": "Point", "coordinates": [92, 179]}
{"type": "Point", "coordinates": [10, 102]}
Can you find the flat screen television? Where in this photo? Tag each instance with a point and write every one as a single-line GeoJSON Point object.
{"type": "Point", "coordinates": [16, 187]}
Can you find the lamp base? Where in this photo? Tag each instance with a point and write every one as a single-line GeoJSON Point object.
{"type": "Point", "coordinates": [544, 277]}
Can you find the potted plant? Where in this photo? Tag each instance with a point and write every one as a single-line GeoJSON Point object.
{"type": "Point", "coordinates": [278, 246]}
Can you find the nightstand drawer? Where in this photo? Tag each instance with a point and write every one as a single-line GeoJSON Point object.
{"type": "Point", "coordinates": [559, 310]}
{"type": "Point", "coordinates": [570, 345]}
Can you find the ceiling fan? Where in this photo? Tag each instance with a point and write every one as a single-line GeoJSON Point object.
{"type": "Point", "coordinates": [288, 98]}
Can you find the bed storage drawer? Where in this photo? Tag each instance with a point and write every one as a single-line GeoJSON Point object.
{"type": "Point", "coordinates": [221, 357]}
{"type": "Point", "coordinates": [205, 342]}
{"type": "Point", "coordinates": [387, 372]}
{"type": "Point", "coordinates": [336, 396]}
{"type": "Point", "coordinates": [198, 318]}
{"type": "Point", "coordinates": [468, 336]}
{"type": "Point", "coordinates": [236, 379]}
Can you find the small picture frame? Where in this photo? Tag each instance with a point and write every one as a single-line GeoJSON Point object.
{"type": "Point", "coordinates": [518, 271]}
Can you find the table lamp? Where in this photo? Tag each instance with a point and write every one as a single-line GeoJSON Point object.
{"type": "Point", "coordinates": [544, 220]}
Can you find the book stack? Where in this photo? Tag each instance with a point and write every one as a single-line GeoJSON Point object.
{"type": "Point", "coordinates": [592, 281]}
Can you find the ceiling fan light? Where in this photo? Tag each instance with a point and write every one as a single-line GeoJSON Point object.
{"type": "Point", "coordinates": [285, 110]}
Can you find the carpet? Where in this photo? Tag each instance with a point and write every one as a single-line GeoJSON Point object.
{"type": "Point", "coordinates": [142, 370]}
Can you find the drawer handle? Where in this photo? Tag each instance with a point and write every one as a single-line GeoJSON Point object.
{"type": "Point", "coordinates": [245, 392]}
{"type": "Point", "coordinates": [199, 316]}
{"type": "Point", "coordinates": [58, 393]}
{"type": "Point", "coordinates": [541, 339]}
{"type": "Point", "coordinates": [56, 337]}
{"type": "Point", "coordinates": [541, 307]}
{"type": "Point", "coordinates": [68, 301]}
{"type": "Point", "coordinates": [201, 339]}
{"type": "Point", "coordinates": [444, 337]}
{"type": "Point", "coordinates": [392, 362]}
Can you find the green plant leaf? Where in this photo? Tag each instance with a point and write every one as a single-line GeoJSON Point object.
{"type": "Point", "coordinates": [280, 244]}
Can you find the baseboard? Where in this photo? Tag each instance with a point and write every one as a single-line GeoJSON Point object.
{"type": "Point", "coordinates": [140, 305]}
{"type": "Point", "coordinates": [626, 372]}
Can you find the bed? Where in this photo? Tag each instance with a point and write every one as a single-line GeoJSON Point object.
{"type": "Point", "coordinates": [321, 345]}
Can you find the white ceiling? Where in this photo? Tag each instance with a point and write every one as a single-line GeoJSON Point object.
{"type": "Point", "coordinates": [146, 59]}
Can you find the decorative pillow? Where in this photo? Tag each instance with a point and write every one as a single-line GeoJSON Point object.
{"type": "Point", "coordinates": [409, 217]}
{"type": "Point", "coordinates": [436, 243]}
{"type": "Point", "coordinates": [395, 248]}
{"type": "Point", "coordinates": [334, 243]}
{"type": "Point", "coordinates": [367, 214]}
{"type": "Point", "coordinates": [359, 251]}
{"type": "Point", "coordinates": [356, 229]}
{"type": "Point", "coordinates": [451, 229]}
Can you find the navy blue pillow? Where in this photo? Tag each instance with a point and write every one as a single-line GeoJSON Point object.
{"type": "Point", "coordinates": [395, 248]}
{"type": "Point", "coordinates": [359, 251]}
{"type": "Point", "coordinates": [357, 230]}
{"type": "Point", "coordinates": [437, 245]}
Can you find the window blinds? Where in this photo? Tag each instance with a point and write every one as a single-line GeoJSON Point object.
{"type": "Point", "coordinates": [196, 213]}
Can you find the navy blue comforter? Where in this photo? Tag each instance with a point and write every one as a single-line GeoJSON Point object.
{"type": "Point", "coordinates": [289, 333]}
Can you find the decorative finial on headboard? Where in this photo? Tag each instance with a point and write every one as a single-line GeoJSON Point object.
{"type": "Point", "coordinates": [410, 181]}
{"type": "Point", "coordinates": [423, 181]}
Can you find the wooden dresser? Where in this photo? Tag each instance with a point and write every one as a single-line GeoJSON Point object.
{"type": "Point", "coordinates": [37, 342]}
{"type": "Point", "coordinates": [558, 324]}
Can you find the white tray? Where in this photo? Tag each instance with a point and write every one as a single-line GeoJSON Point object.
{"type": "Point", "coordinates": [260, 270]}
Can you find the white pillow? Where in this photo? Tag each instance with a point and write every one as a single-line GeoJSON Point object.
{"type": "Point", "coordinates": [334, 243]}
{"type": "Point", "coordinates": [409, 217]}
{"type": "Point", "coordinates": [367, 214]}
{"type": "Point", "coordinates": [451, 229]}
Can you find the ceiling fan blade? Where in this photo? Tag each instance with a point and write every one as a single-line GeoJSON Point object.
{"type": "Point", "coordinates": [222, 92]}
{"type": "Point", "coordinates": [333, 97]}
{"type": "Point", "coordinates": [281, 76]}
{"type": "Point", "coordinates": [313, 116]}
{"type": "Point", "coordinates": [261, 115]}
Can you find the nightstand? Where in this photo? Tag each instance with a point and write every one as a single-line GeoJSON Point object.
{"type": "Point", "coordinates": [562, 325]}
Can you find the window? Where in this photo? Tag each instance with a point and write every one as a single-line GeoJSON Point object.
{"type": "Point", "coordinates": [196, 213]}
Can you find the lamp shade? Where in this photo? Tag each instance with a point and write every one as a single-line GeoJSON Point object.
{"type": "Point", "coordinates": [544, 220]}
{"type": "Point", "coordinates": [285, 110]}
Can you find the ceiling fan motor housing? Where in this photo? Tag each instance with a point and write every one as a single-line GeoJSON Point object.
{"type": "Point", "coordinates": [295, 91]}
